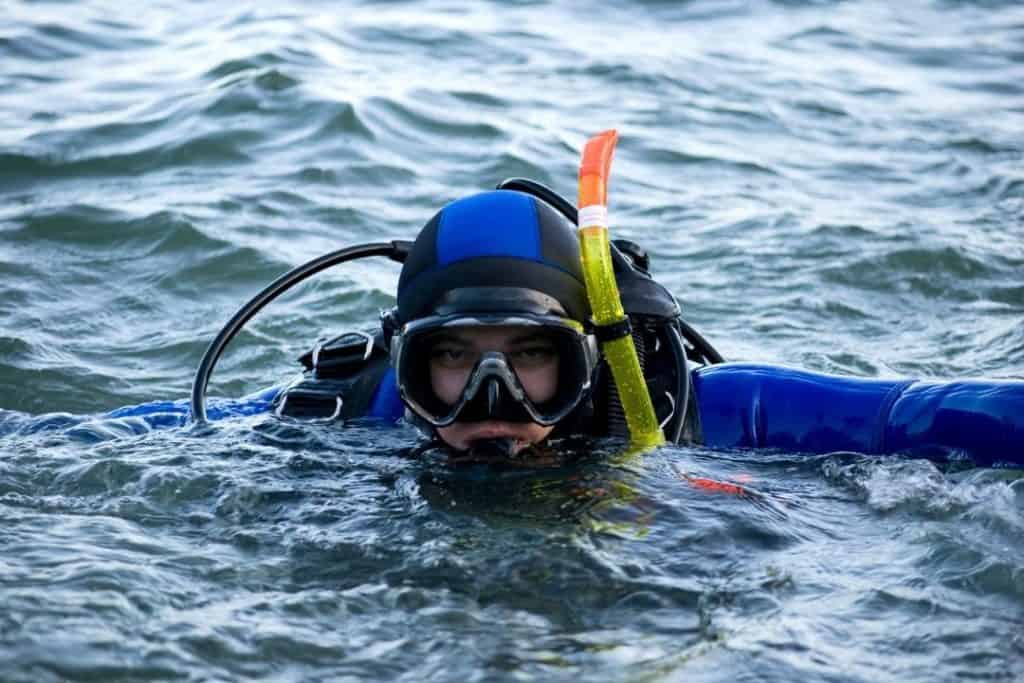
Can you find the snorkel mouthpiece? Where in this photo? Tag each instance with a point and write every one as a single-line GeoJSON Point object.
{"type": "Point", "coordinates": [498, 448]}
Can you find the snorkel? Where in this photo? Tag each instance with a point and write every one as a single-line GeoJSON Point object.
{"type": "Point", "coordinates": [613, 329]}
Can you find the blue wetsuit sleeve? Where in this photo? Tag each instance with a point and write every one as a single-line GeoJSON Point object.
{"type": "Point", "coordinates": [763, 406]}
{"type": "Point", "coordinates": [983, 419]}
{"type": "Point", "coordinates": [176, 413]}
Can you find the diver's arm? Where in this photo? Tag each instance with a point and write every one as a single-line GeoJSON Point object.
{"type": "Point", "coordinates": [762, 406]}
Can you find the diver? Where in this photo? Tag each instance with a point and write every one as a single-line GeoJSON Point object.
{"type": "Point", "coordinates": [492, 352]}
{"type": "Point", "coordinates": [490, 348]}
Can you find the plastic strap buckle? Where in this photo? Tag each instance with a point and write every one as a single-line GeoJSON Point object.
{"type": "Point", "coordinates": [351, 348]}
{"type": "Point", "coordinates": [613, 331]}
{"type": "Point", "coordinates": [300, 394]}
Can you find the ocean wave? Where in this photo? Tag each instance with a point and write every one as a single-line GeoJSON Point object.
{"type": "Point", "coordinates": [833, 185]}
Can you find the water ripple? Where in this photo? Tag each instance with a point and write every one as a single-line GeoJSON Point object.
{"type": "Point", "coordinates": [838, 188]}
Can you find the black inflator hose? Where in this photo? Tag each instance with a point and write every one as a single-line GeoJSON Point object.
{"type": "Point", "coordinates": [709, 354]}
{"type": "Point", "coordinates": [395, 250]}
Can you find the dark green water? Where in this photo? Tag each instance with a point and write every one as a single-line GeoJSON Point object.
{"type": "Point", "coordinates": [829, 185]}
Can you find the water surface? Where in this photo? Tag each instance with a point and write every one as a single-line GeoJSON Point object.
{"type": "Point", "coordinates": [829, 185]}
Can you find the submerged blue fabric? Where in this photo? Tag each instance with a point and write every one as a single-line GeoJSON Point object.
{"type": "Point", "coordinates": [984, 419]}
{"type": "Point", "coordinates": [387, 402]}
{"type": "Point", "coordinates": [764, 406]}
{"type": "Point", "coordinates": [489, 224]}
{"type": "Point", "coordinates": [176, 413]}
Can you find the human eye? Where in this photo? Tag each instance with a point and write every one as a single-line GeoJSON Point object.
{"type": "Point", "coordinates": [449, 355]}
{"type": "Point", "coordinates": [534, 354]}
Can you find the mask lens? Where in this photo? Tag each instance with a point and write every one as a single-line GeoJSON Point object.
{"type": "Point", "coordinates": [575, 364]}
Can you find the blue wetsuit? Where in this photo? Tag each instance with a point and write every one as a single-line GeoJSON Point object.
{"type": "Point", "coordinates": [743, 405]}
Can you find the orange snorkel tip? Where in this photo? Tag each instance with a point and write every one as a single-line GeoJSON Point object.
{"type": "Point", "coordinates": [595, 167]}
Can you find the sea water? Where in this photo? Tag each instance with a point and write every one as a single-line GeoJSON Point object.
{"type": "Point", "coordinates": [830, 185]}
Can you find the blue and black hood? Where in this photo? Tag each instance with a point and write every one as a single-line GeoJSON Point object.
{"type": "Point", "coordinates": [493, 242]}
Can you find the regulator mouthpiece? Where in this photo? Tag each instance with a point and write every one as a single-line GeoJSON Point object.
{"type": "Point", "coordinates": [502, 448]}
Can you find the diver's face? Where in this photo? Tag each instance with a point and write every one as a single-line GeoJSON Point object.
{"type": "Point", "coordinates": [533, 357]}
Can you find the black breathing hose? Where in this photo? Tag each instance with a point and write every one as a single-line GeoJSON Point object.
{"type": "Point", "coordinates": [707, 352]}
{"type": "Point", "coordinates": [674, 429]}
{"type": "Point", "coordinates": [542, 192]}
{"type": "Point", "coordinates": [395, 250]}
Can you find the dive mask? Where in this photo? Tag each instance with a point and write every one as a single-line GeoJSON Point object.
{"type": "Point", "coordinates": [493, 388]}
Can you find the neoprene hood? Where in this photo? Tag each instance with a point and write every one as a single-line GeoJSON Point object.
{"type": "Point", "coordinates": [496, 239]}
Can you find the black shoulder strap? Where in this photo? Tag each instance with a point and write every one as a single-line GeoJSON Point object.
{"type": "Point", "coordinates": [341, 377]}
{"type": "Point", "coordinates": [342, 355]}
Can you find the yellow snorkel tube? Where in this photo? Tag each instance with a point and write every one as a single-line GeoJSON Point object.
{"type": "Point", "coordinates": [603, 293]}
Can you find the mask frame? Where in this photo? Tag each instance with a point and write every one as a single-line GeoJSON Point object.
{"type": "Point", "coordinates": [493, 389]}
